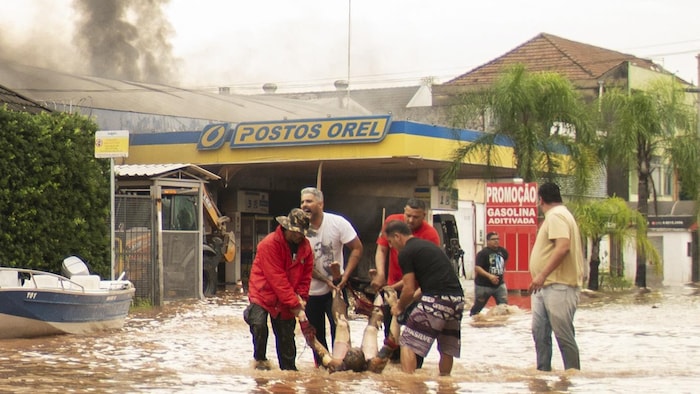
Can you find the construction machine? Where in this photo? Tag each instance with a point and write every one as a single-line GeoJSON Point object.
{"type": "Point", "coordinates": [219, 244]}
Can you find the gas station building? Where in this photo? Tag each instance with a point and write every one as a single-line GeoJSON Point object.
{"type": "Point", "coordinates": [367, 167]}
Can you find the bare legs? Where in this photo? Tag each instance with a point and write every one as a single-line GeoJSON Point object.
{"type": "Point", "coordinates": [391, 343]}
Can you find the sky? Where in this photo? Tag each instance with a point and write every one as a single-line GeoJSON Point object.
{"type": "Point", "coordinates": [303, 45]}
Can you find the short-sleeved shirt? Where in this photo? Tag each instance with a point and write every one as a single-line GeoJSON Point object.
{"type": "Point", "coordinates": [425, 231]}
{"type": "Point", "coordinates": [432, 268]}
{"type": "Point", "coordinates": [492, 261]}
{"type": "Point", "coordinates": [328, 242]}
{"type": "Point", "coordinates": [558, 223]}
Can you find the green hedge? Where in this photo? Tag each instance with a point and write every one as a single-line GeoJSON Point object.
{"type": "Point", "coordinates": [54, 194]}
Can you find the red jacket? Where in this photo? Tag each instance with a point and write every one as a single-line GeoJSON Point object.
{"type": "Point", "coordinates": [276, 279]}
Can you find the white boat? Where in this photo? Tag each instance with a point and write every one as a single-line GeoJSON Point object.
{"type": "Point", "coordinates": [37, 303]}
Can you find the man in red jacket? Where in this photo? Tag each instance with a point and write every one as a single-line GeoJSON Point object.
{"type": "Point", "coordinates": [279, 287]}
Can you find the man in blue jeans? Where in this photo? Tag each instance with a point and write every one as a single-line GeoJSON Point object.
{"type": "Point", "coordinates": [556, 266]}
{"type": "Point", "coordinates": [489, 268]}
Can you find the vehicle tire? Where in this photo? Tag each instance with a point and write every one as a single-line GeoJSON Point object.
{"type": "Point", "coordinates": [210, 274]}
{"type": "Point", "coordinates": [209, 282]}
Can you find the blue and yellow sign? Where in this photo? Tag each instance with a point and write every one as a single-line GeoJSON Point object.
{"type": "Point", "coordinates": [296, 132]}
{"type": "Point", "coordinates": [214, 136]}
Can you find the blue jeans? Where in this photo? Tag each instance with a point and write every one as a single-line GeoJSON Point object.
{"type": "Point", "coordinates": [553, 309]}
{"type": "Point", "coordinates": [483, 293]}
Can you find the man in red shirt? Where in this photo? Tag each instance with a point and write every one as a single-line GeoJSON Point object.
{"type": "Point", "coordinates": [414, 215]}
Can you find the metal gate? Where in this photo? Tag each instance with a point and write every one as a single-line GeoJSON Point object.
{"type": "Point", "coordinates": [134, 238]}
{"type": "Point", "coordinates": [173, 272]}
{"type": "Point", "coordinates": [180, 268]}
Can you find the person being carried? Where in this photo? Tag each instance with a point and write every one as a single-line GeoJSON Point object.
{"type": "Point", "coordinates": [489, 268]}
{"type": "Point", "coordinates": [368, 357]}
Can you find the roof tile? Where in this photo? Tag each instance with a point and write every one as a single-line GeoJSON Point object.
{"type": "Point", "coordinates": [546, 52]}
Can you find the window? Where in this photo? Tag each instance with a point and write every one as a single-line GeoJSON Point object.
{"type": "Point", "coordinates": [662, 175]}
{"type": "Point", "coordinates": [179, 213]}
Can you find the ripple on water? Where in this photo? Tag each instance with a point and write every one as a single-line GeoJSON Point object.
{"type": "Point", "coordinates": [628, 343]}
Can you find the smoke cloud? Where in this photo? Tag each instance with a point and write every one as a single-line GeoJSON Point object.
{"type": "Point", "coordinates": [125, 39]}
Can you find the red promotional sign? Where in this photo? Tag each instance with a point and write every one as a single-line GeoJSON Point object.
{"type": "Point", "coordinates": [511, 204]}
{"type": "Point", "coordinates": [511, 211]}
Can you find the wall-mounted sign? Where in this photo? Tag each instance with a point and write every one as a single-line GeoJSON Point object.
{"type": "Point", "coordinates": [295, 132]}
{"type": "Point", "coordinates": [511, 212]}
{"type": "Point", "coordinates": [670, 221]}
{"type": "Point", "coordinates": [436, 198]}
{"type": "Point", "coordinates": [214, 136]}
{"type": "Point", "coordinates": [511, 204]}
{"type": "Point", "coordinates": [111, 143]}
{"type": "Point", "coordinates": [253, 201]}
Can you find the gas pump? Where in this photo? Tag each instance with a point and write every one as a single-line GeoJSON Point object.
{"type": "Point", "coordinates": [446, 226]}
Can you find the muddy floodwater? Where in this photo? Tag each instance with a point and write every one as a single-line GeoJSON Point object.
{"type": "Point", "coordinates": [629, 343]}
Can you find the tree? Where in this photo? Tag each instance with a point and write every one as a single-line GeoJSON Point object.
{"type": "Point", "coordinates": [611, 217]}
{"type": "Point", "coordinates": [541, 115]}
{"type": "Point", "coordinates": [54, 195]}
{"type": "Point", "coordinates": [642, 124]}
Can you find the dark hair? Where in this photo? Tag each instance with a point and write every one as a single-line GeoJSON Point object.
{"type": "Point", "coordinates": [416, 203]}
{"type": "Point", "coordinates": [397, 227]}
{"type": "Point", "coordinates": [491, 234]}
{"type": "Point", "coordinates": [355, 360]}
{"type": "Point", "coordinates": [549, 193]}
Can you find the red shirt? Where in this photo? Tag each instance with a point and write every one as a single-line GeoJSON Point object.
{"type": "Point", "coordinates": [425, 231]}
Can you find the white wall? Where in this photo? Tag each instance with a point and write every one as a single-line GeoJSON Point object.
{"type": "Point", "coordinates": [673, 248]}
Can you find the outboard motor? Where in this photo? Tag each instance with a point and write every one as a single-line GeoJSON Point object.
{"type": "Point", "coordinates": [73, 266]}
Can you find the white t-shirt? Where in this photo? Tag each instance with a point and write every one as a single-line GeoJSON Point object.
{"type": "Point", "coordinates": [335, 231]}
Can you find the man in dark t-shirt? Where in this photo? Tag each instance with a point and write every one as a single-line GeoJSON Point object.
{"type": "Point", "coordinates": [439, 311]}
{"type": "Point", "coordinates": [489, 268]}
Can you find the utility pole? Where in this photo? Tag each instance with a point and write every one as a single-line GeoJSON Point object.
{"type": "Point", "coordinates": [347, 102]}
{"type": "Point", "coordinates": [695, 270]}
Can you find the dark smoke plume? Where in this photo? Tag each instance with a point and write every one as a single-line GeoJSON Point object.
{"type": "Point", "coordinates": [126, 39]}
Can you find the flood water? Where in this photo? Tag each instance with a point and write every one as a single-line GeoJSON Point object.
{"type": "Point", "coordinates": [628, 342]}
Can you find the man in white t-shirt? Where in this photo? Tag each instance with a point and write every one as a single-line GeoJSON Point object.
{"type": "Point", "coordinates": [332, 233]}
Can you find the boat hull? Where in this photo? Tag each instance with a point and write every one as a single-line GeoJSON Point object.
{"type": "Point", "coordinates": [32, 312]}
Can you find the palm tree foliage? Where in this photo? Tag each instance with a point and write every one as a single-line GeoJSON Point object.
{"type": "Point", "coordinates": [612, 217]}
{"type": "Point", "coordinates": [541, 115]}
{"type": "Point", "coordinates": [641, 125]}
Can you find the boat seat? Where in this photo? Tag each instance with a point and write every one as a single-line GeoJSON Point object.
{"type": "Point", "coordinates": [9, 278]}
{"type": "Point", "coordinates": [89, 282]}
{"type": "Point", "coordinates": [42, 281]}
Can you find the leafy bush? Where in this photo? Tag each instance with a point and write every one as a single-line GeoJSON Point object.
{"type": "Point", "coordinates": [613, 283]}
{"type": "Point", "coordinates": [54, 194]}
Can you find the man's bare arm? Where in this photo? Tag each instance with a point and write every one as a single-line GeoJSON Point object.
{"type": "Point", "coordinates": [379, 262]}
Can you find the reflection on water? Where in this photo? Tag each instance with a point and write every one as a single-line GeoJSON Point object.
{"type": "Point", "coordinates": [628, 343]}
